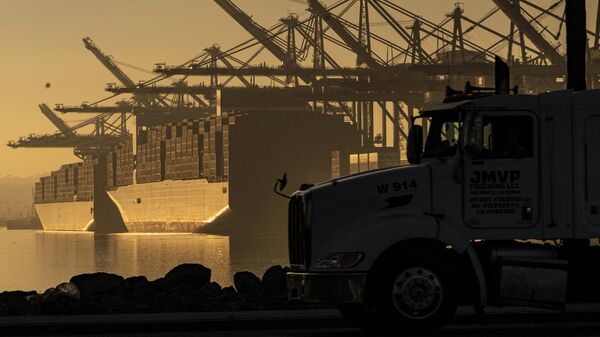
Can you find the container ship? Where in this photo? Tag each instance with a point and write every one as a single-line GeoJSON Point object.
{"type": "Point", "coordinates": [209, 174]}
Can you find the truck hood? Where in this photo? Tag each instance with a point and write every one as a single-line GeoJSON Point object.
{"type": "Point", "coordinates": [354, 203]}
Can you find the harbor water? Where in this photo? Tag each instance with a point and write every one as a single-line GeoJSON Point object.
{"type": "Point", "coordinates": [37, 260]}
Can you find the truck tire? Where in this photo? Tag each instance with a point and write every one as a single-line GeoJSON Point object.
{"type": "Point", "coordinates": [415, 293]}
{"type": "Point", "coordinates": [359, 316]}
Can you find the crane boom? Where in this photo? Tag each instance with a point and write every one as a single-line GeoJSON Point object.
{"type": "Point", "coordinates": [108, 63]}
{"type": "Point", "coordinates": [318, 9]}
{"type": "Point", "coordinates": [532, 34]}
{"type": "Point", "coordinates": [257, 31]}
{"type": "Point", "coordinates": [57, 121]}
{"type": "Point", "coordinates": [114, 69]}
{"type": "Point", "coordinates": [84, 143]}
{"type": "Point", "coordinates": [260, 34]}
{"type": "Point", "coordinates": [117, 109]}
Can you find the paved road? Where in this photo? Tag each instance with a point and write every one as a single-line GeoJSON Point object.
{"type": "Point", "coordinates": [506, 322]}
{"type": "Point", "coordinates": [540, 330]}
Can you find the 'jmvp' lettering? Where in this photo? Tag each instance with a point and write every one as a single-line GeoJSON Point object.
{"type": "Point", "coordinates": [496, 177]}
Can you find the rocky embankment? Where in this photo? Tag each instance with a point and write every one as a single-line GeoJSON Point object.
{"type": "Point", "coordinates": [186, 288]}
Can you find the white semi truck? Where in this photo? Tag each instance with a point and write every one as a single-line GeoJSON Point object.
{"type": "Point", "coordinates": [499, 206]}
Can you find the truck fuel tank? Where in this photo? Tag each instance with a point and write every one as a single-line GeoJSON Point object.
{"type": "Point", "coordinates": [527, 274]}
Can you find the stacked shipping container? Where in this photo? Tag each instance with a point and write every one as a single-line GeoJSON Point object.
{"type": "Point", "coordinates": [39, 193]}
{"type": "Point", "coordinates": [148, 167]}
{"type": "Point", "coordinates": [73, 182]}
{"type": "Point", "coordinates": [120, 166]}
{"type": "Point", "coordinates": [85, 189]}
{"type": "Point", "coordinates": [67, 182]}
{"type": "Point", "coordinates": [185, 150]}
{"type": "Point", "coordinates": [182, 151]}
{"type": "Point", "coordinates": [49, 188]}
{"type": "Point", "coordinates": [216, 148]}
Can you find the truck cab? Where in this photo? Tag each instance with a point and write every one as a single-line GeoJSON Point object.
{"type": "Point", "coordinates": [500, 205]}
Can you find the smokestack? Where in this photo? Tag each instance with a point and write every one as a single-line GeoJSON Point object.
{"type": "Point", "coordinates": [576, 44]}
{"type": "Point", "coordinates": [502, 80]}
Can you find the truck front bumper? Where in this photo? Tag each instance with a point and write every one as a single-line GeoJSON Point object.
{"type": "Point", "coordinates": [326, 287]}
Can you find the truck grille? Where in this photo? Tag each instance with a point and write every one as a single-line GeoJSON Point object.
{"type": "Point", "coordinates": [297, 232]}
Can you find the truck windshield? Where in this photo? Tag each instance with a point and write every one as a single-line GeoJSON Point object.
{"type": "Point", "coordinates": [443, 136]}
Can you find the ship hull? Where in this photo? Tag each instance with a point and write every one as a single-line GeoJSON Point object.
{"type": "Point", "coordinates": [66, 216]}
{"type": "Point", "coordinates": [175, 206]}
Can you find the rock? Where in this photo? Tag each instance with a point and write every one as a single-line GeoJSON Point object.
{"type": "Point", "coordinates": [187, 276]}
{"type": "Point", "coordinates": [159, 284]}
{"type": "Point", "coordinates": [246, 282]}
{"type": "Point", "coordinates": [211, 290]}
{"type": "Point", "coordinates": [11, 296]}
{"type": "Point", "coordinates": [99, 284]}
{"type": "Point", "coordinates": [145, 294]}
{"type": "Point", "coordinates": [15, 303]}
{"type": "Point", "coordinates": [229, 292]}
{"type": "Point", "coordinates": [68, 290]}
{"type": "Point", "coordinates": [62, 300]}
{"type": "Point", "coordinates": [185, 288]}
{"type": "Point", "coordinates": [275, 281]}
{"type": "Point", "coordinates": [137, 282]}
{"type": "Point", "coordinates": [36, 303]}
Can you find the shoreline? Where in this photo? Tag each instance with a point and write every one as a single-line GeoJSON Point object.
{"type": "Point", "coordinates": [186, 288]}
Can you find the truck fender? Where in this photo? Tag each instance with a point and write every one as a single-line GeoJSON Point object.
{"type": "Point", "coordinates": [445, 233]}
{"type": "Point", "coordinates": [449, 234]}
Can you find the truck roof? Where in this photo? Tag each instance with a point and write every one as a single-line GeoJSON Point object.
{"type": "Point", "coordinates": [563, 99]}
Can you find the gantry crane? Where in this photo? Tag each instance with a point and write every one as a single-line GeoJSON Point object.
{"type": "Point", "coordinates": [386, 81]}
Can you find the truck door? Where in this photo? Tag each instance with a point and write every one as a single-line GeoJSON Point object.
{"type": "Point", "coordinates": [501, 183]}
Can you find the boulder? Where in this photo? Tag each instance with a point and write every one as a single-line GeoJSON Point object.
{"type": "Point", "coordinates": [145, 294]}
{"type": "Point", "coordinates": [62, 300]}
{"type": "Point", "coordinates": [211, 290]}
{"type": "Point", "coordinates": [15, 303]}
{"type": "Point", "coordinates": [11, 296]}
{"type": "Point", "coordinates": [99, 284]}
{"type": "Point", "coordinates": [69, 291]}
{"type": "Point", "coordinates": [159, 284]}
{"type": "Point", "coordinates": [137, 282]}
{"type": "Point", "coordinates": [187, 276]}
{"type": "Point", "coordinates": [245, 282]}
{"type": "Point", "coordinates": [275, 281]}
{"type": "Point", "coordinates": [229, 292]}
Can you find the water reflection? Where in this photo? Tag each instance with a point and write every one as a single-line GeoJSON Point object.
{"type": "Point", "coordinates": [38, 260]}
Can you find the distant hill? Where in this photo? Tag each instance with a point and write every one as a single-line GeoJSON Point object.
{"type": "Point", "coordinates": [16, 197]}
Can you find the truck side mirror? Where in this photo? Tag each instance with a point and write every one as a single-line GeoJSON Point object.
{"type": "Point", "coordinates": [280, 185]}
{"type": "Point", "coordinates": [415, 144]}
{"type": "Point", "coordinates": [282, 182]}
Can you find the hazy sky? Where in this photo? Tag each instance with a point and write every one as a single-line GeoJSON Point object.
{"type": "Point", "coordinates": [40, 42]}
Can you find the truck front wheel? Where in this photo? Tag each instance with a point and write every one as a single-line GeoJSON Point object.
{"type": "Point", "coordinates": [415, 293]}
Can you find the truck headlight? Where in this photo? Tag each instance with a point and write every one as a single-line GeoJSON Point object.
{"type": "Point", "coordinates": [339, 260]}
